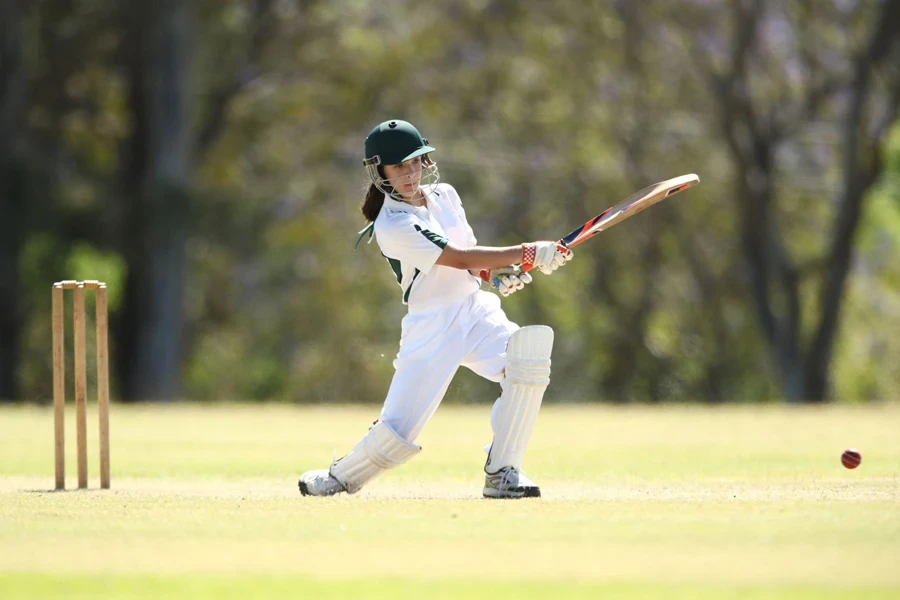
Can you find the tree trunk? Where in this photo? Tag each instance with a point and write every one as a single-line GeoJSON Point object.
{"type": "Point", "coordinates": [157, 188]}
{"type": "Point", "coordinates": [12, 200]}
{"type": "Point", "coordinates": [752, 133]}
{"type": "Point", "coordinates": [862, 164]}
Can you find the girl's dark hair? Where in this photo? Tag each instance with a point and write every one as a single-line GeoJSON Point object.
{"type": "Point", "coordinates": [374, 199]}
{"type": "Point", "coordinates": [373, 203]}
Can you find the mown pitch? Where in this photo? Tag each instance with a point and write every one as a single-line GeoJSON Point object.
{"type": "Point", "coordinates": [674, 502]}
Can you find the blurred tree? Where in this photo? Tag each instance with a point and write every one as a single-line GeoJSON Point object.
{"type": "Point", "coordinates": [209, 151]}
{"type": "Point", "coordinates": [778, 77]}
{"type": "Point", "coordinates": [12, 194]}
{"type": "Point", "coordinates": [157, 180]}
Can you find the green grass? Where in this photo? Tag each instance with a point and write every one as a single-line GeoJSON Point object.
{"type": "Point", "coordinates": [673, 502]}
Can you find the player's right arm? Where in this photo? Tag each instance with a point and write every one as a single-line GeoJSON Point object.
{"type": "Point", "coordinates": [408, 239]}
{"type": "Point", "coordinates": [479, 257]}
{"type": "Point", "coordinates": [546, 256]}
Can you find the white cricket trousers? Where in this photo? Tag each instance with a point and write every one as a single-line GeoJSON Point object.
{"type": "Point", "coordinates": [433, 344]}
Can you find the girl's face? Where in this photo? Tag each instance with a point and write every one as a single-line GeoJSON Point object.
{"type": "Point", "coordinates": [405, 177]}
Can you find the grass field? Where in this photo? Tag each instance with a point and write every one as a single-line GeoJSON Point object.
{"type": "Point", "coordinates": [673, 502]}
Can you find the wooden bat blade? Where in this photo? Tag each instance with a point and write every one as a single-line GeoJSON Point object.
{"type": "Point", "coordinates": [630, 206]}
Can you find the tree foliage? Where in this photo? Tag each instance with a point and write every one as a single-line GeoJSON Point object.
{"type": "Point", "coordinates": [204, 156]}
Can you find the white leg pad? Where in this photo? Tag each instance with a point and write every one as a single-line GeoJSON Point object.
{"type": "Point", "coordinates": [379, 450]}
{"type": "Point", "coordinates": [527, 376]}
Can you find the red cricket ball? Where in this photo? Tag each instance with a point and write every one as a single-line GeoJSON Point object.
{"type": "Point", "coordinates": [851, 458]}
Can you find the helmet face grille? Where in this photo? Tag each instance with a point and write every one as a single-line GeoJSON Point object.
{"type": "Point", "coordinates": [430, 177]}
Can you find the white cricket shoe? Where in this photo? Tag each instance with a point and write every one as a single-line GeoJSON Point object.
{"type": "Point", "coordinates": [509, 482]}
{"type": "Point", "coordinates": [319, 483]}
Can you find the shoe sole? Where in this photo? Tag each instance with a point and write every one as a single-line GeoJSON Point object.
{"type": "Point", "coordinates": [495, 494]}
{"type": "Point", "coordinates": [305, 491]}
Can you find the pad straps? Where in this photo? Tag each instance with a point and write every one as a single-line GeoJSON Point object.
{"type": "Point", "coordinates": [379, 450]}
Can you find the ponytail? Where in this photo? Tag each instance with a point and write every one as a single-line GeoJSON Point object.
{"type": "Point", "coordinates": [373, 203]}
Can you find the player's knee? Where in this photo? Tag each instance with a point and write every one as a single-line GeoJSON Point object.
{"type": "Point", "coordinates": [528, 355]}
{"type": "Point", "coordinates": [531, 339]}
{"type": "Point", "coordinates": [387, 448]}
{"type": "Point", "coordinates": [380, 449]}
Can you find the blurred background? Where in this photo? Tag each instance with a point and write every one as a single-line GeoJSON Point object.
{"type": "Point", "coordinates": [204, 158]}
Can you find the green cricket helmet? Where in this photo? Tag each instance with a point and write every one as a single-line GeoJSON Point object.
{"type": "Point", "coordinates": [394, 142]}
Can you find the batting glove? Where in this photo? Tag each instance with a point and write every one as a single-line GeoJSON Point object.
{"type": "Point", "coordinates": [506, 280]}
{"type": "Point", "coordinates": [546, 256]}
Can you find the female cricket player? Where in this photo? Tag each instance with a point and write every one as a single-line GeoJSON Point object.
{"type": "Point", "coordinates": [421, 228]}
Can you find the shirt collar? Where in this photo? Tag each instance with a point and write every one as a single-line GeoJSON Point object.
{"type": "Point", "coordinates": [405, 207]}
{"type": "Point", "coordinates": [398, 206]}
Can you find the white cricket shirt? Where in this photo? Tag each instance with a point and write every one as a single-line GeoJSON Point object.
{"type": "Point", "coordinates": [412, 238]}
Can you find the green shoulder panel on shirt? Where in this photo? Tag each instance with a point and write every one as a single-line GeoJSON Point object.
{"type": "Point", "coordinates": [438, 240]}
{"type": "Point", "coordinates": [395, 267]}
{"type": "Point", "coordinates": [409, 289]}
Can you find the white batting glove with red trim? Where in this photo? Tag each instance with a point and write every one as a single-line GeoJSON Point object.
{"type": "Point", "coordinates": [546, 256]}
{"type": "Point", "coordinates": [506, 280]}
